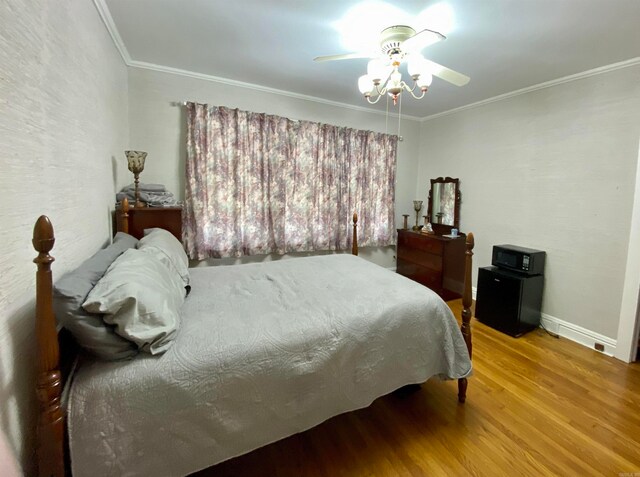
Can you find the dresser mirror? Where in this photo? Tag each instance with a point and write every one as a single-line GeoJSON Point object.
{"type": "Point", "coordinates": [444, 205]}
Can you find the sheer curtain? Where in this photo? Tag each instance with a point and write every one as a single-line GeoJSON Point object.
{"type": "Point", "coordinates": [258, 183]}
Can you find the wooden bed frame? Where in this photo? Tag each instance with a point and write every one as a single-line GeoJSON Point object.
{"type": "Point", "coordinates": [55, 352]}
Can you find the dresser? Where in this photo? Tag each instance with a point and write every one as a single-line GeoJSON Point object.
{"type": "Point", "coordinates": [168, 218]}
{"type": "Point", "coordinates": [433, 260]}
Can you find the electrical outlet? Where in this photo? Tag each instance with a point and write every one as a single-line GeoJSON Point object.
{"type": "Point", "coordinates": [599, 347]}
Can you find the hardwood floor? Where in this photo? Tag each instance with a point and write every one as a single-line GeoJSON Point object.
{"type": "Point", "coordinates": [536, 405]}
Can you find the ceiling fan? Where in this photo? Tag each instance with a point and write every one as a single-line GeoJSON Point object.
{"type": "Point", "coordinates": [400, 43]}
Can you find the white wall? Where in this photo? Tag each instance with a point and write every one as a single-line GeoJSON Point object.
{"type": "Point", "coordinates": [552, 169]}
{"type": "Point", "coordinates": [159, 127]}
{"type": "Point", "coordinates": [629, 326]}
{"type": "Point", "coordinates": [63, 127]}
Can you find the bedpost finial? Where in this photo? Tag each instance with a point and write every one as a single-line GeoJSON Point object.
{"type": "Point", "coordinates": [470, 241]}
{"type": "Point", "coordinates": [125, 205]}
{"type": "Point", "coordinates": [354, 238]}
{"type": "Point", "coordinates": [43, 239]}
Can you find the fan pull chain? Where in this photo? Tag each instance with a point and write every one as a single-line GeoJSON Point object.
{"type": "Point", "coordinates": [386, 118]}
{"type": "Point", "coordinates": [399, 116]}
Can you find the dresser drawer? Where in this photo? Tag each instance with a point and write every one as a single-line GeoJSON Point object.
{"type": "Point", "coordinates": [426, 276]}
{"type": "Point", "coordinates": [420, 257]}
{"type": "Point", "coordinates": [420, 242]}
{"type": "Point", "coordinates": [436, 262]}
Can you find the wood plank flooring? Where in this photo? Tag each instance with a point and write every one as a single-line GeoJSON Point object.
{"type": "Point", "coordinates": [536, 405]}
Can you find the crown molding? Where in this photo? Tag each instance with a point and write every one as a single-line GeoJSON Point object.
{"type": "Point", "coordinates": [547, 84]}
{"type": "Point", "coordinates": [105, 14]}
{"type": "Point", "coordinates": [257, 87]}
{"type": "Point", "coordinates": [107, 19]}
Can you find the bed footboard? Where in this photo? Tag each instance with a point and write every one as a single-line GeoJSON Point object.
{"type": "Point", "coordinates": [465, 327]}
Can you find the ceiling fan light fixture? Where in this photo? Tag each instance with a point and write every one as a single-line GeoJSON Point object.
{"type": "Point", "coordinates": [399, 44]}
{"type": "Point", "coordinates": [421, 40]}
{"type": "Point", "coordinates": [424, 81]}
{"type": "Point", "coordinates": [377, 69]}
{"type": "Point", "coordinates": [365, 85]}
{"type": "Point", "coordinates": [395, 80]}
{"type": "Point", "coordinates": [416, 65]}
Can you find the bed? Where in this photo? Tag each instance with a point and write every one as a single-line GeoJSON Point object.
{"type": "Point", "coordinates": [261, 354]}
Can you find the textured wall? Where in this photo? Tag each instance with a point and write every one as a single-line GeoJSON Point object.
{"type": "Point", "coordinates": [553, 169]}
{"type": "Point", "coordinates": [63, 125]}
{"type": "Point", "coordinates": [158, 126]}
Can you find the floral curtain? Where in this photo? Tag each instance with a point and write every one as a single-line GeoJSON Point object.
{"type": "Point", "coordinates": [258, 183]}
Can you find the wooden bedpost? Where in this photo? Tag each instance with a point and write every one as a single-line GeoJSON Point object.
{"type": "Point", "coordinates": [466, 311]}
{"type": "Point", "coordinates": [354, 242]}
{"type": "Point", "coordinates": [50, 438]}
{"type": "Point", "coordinates": [124, 217]}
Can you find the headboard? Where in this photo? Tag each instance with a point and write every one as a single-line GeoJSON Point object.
{"type": "Point", "coordinates": [134, 220]}
{"type": "Point", "coordinates": [137, 219]}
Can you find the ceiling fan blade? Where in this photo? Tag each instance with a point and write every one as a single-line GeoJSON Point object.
{"type": "Point", "coordinates": [447, 74]}
{"type": "Point", "coordinates": [347, 56]}
{"type": "Point", "coordinates": [421, 40]}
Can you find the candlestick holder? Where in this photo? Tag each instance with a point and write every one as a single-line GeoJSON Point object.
{"type": "Point", "coordinates": [417, 206]}
{"type": "Point", "coordinates": [135, 162]}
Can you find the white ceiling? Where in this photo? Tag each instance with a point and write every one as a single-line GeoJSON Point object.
{"type": "Point", "coordinates": [503, 45]}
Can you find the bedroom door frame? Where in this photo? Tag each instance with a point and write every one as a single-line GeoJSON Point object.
{"type": "Point", "coordinates": [628, 328]}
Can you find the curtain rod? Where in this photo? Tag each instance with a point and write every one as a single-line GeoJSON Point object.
{"type": "Point", "coordinates": [184, 103]}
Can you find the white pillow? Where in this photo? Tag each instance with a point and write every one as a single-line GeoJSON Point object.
{"type": "Point", "coordinates": [142, 298]}
{"type": "Point", "coordinates": [167, 249]}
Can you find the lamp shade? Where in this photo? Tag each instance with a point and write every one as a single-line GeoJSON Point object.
{"type": "Point", "coordinates": [135, 160]}
{"type": "Point", "coordinates": [377, 69]}
{"type": "Point", "coordinates": [365, 84]}
{"type": "Point", "coordinates": [424, 81]}
{"type": "Point", "coordinates": [417, 65]}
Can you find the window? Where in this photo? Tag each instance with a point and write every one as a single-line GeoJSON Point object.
{"type": "Point", "coordinates": [258, 183]}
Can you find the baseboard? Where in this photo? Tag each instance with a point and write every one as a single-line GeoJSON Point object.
{"type": "Point", "coordinates": [573, 332]}
{"type": "Point", "coordinates": [578, 334]}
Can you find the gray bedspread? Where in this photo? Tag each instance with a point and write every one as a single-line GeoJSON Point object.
{"type": "Point", "coordinates": [264, 351]}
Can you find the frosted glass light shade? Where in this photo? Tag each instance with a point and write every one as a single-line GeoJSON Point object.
{"type": "Point", "coordinates": [365, 84]}
{"type": "Point", "coordinates": [417, 65]}
{"type": "Point", "coordinates": [377, 69]}
{"type": "Point", "coordinates": [424, 81]}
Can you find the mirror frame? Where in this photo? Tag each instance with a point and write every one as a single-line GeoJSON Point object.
{"type": "Point", "coordinates": [442, 229]}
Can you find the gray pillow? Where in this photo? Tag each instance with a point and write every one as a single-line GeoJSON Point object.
{"type": "Point", "coordinates": [142, 298]}
{"type": "Point", "coordinates": [168, 249]}
{"type": "Point", "coordinates": [70, 292]}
